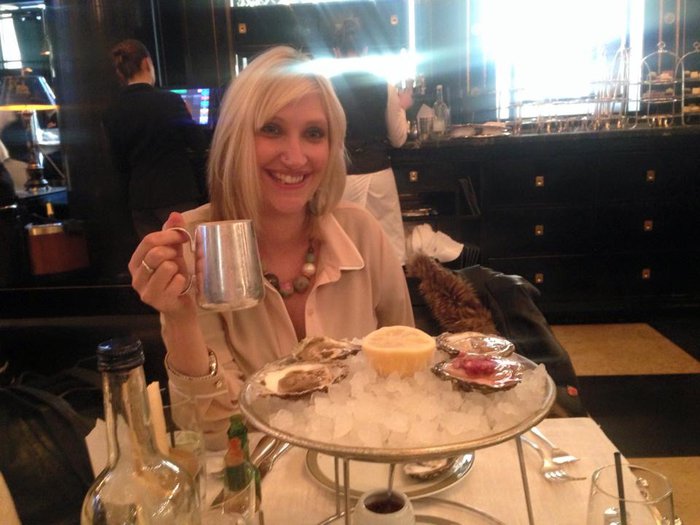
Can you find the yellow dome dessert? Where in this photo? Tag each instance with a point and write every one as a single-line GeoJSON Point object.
{"type": "Point", "coordinates": [401, 349]}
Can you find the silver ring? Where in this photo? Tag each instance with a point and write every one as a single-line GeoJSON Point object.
{"type": "Point", "coordinates": [145, 265]}
{"type": "Point", "coordinates": [189, 286]}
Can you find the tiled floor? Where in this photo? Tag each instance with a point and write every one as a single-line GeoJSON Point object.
{"type": "Point", "coordinates": [622, 350]}
{"type": "Point", "coordinates": [641, 383]}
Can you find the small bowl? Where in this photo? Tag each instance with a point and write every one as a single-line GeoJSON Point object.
{"type": "Point", "coordinates": [377, 507]}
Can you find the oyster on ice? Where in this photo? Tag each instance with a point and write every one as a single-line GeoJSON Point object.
{"type": "Point", "coordinates": [474, 343]}
{"type": "Point", "coordinates": [485, 373]}
{"type": "Point", "coordinates": [300, 379]}
{"type": "Point", "coordinates": [323, 349]}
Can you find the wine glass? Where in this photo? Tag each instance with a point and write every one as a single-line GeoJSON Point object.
{"type": "Point", "coordinates": [646, 497]}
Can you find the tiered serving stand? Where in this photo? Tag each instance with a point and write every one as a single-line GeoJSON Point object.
{"type": "Point", "coordinates": [256, 410]}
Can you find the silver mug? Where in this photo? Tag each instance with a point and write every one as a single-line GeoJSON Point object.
{"type": "Point", "coordinates": [228, 273]}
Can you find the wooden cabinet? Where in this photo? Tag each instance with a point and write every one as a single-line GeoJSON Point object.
{"type": "Point", "coordinates": [437, 191]}
{"type": "Point", "coordinates": [594, 221]}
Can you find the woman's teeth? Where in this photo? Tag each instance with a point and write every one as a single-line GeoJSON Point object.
{"type": "Point", "coordinates": [288, 179]}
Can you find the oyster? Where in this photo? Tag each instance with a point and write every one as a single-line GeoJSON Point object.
{"type": "Point", "coordinates": [485, 373]}
{"type": "Point", "coordinates": [300, 379]}
{"type": "Point", "coordinates": [429, 469]}
{"type": "Point", "coordinates": [474, 343]}
{"type": "Point", "coordinates": [323, 349]}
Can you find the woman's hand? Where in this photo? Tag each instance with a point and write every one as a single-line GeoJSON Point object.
{"type": "Point", "coordinates": [158, 271]}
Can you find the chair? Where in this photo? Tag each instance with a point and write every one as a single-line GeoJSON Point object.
{"type": "Point", "coordinates": [511, 299]}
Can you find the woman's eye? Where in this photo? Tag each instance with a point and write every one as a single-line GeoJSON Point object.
{"type": "Point", "coordinates": [270, 129]}
{"type": "Point", "coordinates": [316, 133]}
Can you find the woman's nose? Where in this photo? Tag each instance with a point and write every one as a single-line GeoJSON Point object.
{"type": "Point", "coordinates": [293, 153]}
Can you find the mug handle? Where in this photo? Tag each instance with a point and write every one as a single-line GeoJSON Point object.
{"type": "Point", "coordinates": [193, 247]}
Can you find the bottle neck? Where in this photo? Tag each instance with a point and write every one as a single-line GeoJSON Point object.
{"type": "Point", "coordinates": [127, 413]}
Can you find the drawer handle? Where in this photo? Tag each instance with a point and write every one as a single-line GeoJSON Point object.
{"type": "Point", "coordinates": [539, 230]}
{"type": "Point", "coordinates": [539, 181]}
{"type": "Point", "coordinates": [539, 278]}
{"type": "Point", "coordinates": [413, 176]}
{"type": "Point", "coordinates": [648, 225]}
{"type": "Point", "coordinates": [646, 274]}
{"type": "Point", "coordinates": [651, 176]}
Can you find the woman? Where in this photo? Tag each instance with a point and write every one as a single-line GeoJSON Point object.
{"type": "Point", "coordinates": [277, 157]}
{"type": "Point", "coordinates": [154, 142]}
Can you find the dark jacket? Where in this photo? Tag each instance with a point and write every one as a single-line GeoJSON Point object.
{"type": "Point", "coordinates": [364, 99]}
{"type": "Point", "coordinates": [157, 146]}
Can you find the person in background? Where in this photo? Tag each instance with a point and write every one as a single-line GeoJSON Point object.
{"type": "Point", "coordinates": [277, 158]}
{"type": "Point", "coordinates": [154, 142]}
{"type": "Point", "coordinates": [376, 115]}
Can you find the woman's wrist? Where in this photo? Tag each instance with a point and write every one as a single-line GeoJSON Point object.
{"type": "Point", "coordinates": [213, 368]}
{"type": "Point", "coordinates": [188, 354]}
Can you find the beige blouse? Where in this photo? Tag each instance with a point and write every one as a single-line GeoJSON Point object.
{"type": "Point", "coordinates": [359, 287]}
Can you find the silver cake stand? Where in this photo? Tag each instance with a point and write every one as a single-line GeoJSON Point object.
{"type": "Point", "coordinates": [257, 409]}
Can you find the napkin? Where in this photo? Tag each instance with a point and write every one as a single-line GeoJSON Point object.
{"type": "Point", "coordinates": [438, 245]}
{"type": "Point", "coordinates": [155, 402]}
{"type": "Point", "coordinates": [96, 440]}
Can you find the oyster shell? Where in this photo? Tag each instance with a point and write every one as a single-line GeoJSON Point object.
{"type": "Point", "coordinates": [300, 379]}
{"type": "Point", "coordinates": [323, 349]}
{"type": "Point", "coordinates": [485, 373]}
{"type": "Point", "coordinates": [474, 343]}
{"type": "Point", "coordinates": [428, 469]}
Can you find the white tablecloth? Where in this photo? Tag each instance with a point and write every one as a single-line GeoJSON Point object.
{"type": "Point", "coordinates": [291, 496]}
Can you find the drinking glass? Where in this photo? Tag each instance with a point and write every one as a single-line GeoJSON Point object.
{"type": "Point", "coordinates": [186, 440]}
{"type": "Point", "coordinates": [234, 507]}
{"type": "Point", "coordinates": [425, 128]}
{"type": "Point", "coordinates": [648, 497]}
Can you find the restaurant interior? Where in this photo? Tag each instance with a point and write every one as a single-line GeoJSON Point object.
{"type": "Point", "coordinates": [570, 169]}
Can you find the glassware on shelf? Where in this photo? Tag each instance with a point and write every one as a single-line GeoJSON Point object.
{"type": "Point", "coordinates": [612, 95]}
{"type": "Point", "coordinates": [441, 121]}
{"type": "Point", "coordinates": [660, 95]}
{"type": "Point", "coordinates": [690, 85]}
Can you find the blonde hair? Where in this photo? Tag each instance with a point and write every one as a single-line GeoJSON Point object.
{"type": "Point", "coordinates": [274, 79]}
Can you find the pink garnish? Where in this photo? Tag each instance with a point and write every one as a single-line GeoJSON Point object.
{"type": "Point", "coordinates": [475, 366]}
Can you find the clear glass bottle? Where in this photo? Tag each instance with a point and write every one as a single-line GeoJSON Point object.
{"type": "Point", "coordinates": [138, 485]}
{"type": "Point", "coordinates": [441, 122]}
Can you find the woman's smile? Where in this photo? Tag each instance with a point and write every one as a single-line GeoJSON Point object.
{"type": "Point", "coordinates": [287, 178]}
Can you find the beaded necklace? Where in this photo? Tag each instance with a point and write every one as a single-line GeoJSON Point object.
{"type": "Point", "coordinates": [301, 282]}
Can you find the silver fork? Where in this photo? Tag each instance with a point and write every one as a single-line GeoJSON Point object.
{"type": "Point", "coordinates": [559, 455]}
{"type": "Point", "coordinates": [550, 470]}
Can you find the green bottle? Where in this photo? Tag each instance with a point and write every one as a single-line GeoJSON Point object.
{"type": "Point", "coordinates": [237, 458]}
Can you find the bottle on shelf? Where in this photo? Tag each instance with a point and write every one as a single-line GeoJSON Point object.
{"type": "Point", "coordinates": [239, 470]}
{"type": "Point", "coordinates": [139, 484]}
{"type": "Point", "coordinates": [441, 122]}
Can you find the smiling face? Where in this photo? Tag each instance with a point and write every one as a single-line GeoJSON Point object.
{"type": "Point", "coordinates": [292, 151]}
